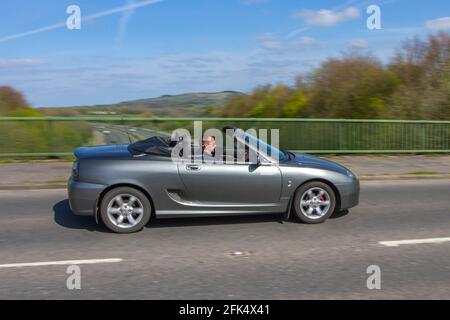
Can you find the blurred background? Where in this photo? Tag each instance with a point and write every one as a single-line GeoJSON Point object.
{"type": "Point", "coordinates": [314, 70]}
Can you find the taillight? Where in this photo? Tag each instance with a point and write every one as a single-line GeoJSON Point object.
{"type": "Point", "coordinates": [76, 169]}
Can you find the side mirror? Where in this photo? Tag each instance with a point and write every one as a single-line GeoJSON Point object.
{"type": "Point", "coordinates": [259, 160]}
{"type": "Point", "coordinates": [263, 161]}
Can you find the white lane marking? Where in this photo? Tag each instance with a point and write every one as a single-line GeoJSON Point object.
{"type": "Point", "coordinates": [58, 263]}
{"type": "Point", "coordinates": [413, 241]}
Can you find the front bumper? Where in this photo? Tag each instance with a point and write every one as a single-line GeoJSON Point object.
{"type": "Point", "coordinates": [83, 197]}
{"type": "Point", "coordinates": [349, 193]}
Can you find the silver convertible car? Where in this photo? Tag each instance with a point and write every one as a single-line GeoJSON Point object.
{"type": "Point", "coordinates": [126, 186]}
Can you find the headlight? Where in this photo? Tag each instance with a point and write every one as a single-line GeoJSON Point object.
{"type": "Point", "coordinates": [76, 169]}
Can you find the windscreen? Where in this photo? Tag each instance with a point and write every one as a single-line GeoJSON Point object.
{"type": "Point", "coordinates": [262, 146]}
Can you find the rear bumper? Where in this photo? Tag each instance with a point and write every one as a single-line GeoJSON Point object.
{"type": "Point", "coordinates": [83, 197]}
{"type": "Point", "coordinates": [349, 193]}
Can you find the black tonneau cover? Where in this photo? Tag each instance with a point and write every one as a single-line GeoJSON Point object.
{"type": "Point", "coordinates": [159, 146]}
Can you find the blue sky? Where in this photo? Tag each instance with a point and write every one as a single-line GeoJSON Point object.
{"type": "Point", "coordinates": [177, 46]}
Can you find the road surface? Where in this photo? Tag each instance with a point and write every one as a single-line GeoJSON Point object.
{"type": "Point", "coordinates": [256, 257]}
{"type": "Point", "coordinates": [119, 134]}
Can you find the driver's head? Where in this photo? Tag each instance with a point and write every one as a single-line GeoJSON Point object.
{"type": "Point", "coordinates": [209, 143]}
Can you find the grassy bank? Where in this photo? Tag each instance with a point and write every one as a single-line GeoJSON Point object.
{"type": "Point", "coordinates": [43, 136]}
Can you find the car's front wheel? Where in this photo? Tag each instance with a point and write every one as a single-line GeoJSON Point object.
{"type": "Point", "coordinates": [314, 202]}
{"type": "Point", "coordinates": [125, 210]}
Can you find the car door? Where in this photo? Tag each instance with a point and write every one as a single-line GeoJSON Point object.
{"type": "Point", "coordinates": [231, 184]}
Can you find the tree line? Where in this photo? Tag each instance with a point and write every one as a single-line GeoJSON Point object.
{"type": "Point", "coordinates": [36, 136]}
{"type": "Point", "coordinates": [413, 84]}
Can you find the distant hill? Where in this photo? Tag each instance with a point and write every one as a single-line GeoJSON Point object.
{"type": "Point", "coordinates": [182, 105]}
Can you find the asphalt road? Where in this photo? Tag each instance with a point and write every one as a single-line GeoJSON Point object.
{"type": "Point", "coordinates": [119, 134]}
{"type": "Point", "coordinates": [112, 134]}
{"type": "Point", "coordinates": [197, 258]}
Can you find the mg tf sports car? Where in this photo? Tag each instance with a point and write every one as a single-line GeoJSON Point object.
{"type": "Point", "coordinates": [126, 186]}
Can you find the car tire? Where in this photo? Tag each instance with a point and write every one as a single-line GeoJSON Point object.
{"type": "Point", "coordinates": [314, 202]}
{"type": "Point", "coordinates": [125, 210]}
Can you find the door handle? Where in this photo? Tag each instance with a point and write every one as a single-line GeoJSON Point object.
{"type": "Point", "coordinates": [193, 167]}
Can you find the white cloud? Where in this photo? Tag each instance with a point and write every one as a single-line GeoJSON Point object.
{"type": "Point", "coordinates": [266, 37]}
{"type": "Point", "coordinates": [166, 73]}
{"type": "Point", "coordinates": [439, 24]}
{"type": "Point", "coordinates": [306, 41]}
{"type": "Point", "coordinates": [123, 23]}
{"type": "Point", "coordinates": [327, 18]}
{"type": "Point", "coordinates": [19, 62]}
{"type": "Point", "coordinates": [273, 45]}
{"type": "Point", "coordinates": [270, 41]}
{"type": "Point", "coordinates": [274, 42]}
{"type": "Point", "coordinates": [360, 44]}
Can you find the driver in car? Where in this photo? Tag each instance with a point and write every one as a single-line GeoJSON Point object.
{"type": "Point", "coordinates": [209, 148]}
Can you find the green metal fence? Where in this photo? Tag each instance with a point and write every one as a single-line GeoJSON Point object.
{"type": "Point", "coordinates": [58, 136]}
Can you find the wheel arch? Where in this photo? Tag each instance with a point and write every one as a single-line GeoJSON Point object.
{"type": "Point", "coordinates": [327, 182]}
{"type": "Point", "coordinates": [120, 185]}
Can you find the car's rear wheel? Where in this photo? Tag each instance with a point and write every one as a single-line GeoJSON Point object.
{"type": "Point", "coordinates": [125, 210]}
{"type": "Point", "coordinates": [314, 202]}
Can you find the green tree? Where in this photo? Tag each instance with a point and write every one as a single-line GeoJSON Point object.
{"type": "Point", "coordinates": [11, 100]}
{"type": "Point", "coordinates": [423, 67]}
{"type": "Point", "coordinates": [295, 105]}
{"type": "Point", "coordinates": [415, 84]}
{"type": "Point", "coordinates": [354, 87]}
